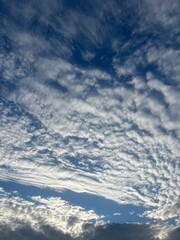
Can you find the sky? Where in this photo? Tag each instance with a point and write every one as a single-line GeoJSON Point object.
{"type": "Point", "coordinates": [89, 119]}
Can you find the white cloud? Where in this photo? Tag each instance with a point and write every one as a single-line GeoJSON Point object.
{"type": "Point", "coordinates": [167, 60]}
{"type": "Point", "coordinates": [113, 134]}
{"type": "Point", "coordinates": [117, 214]}
{"type": "Point", "coordinates": [120, 142]}
{"type": "Point", "coordinates": [162, 12]}
{"type": "Point", "coordinates": [37, 211]}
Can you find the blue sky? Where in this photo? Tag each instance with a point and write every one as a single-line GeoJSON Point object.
{"type": "Point", "coordinates": [89, 119]}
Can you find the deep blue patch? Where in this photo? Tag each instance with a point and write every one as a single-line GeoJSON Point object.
{"type": "Point", "coordinates": [102, 59]}
{"type": "Point", "coordinates": [7, 45]}
{"type": "Point", "coordinates": [57, 86]}
{"type": "Point", "coordinates": [78, 5]}
{"type": "Point", "coordinates": [6, 87]}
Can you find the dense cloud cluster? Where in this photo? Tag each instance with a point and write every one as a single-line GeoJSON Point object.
{"type": "Point", "coordinates": [106, 232]}
{"type": "Point", "coordinates": [89, 102]}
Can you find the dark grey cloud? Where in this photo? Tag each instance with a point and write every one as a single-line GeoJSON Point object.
{"type": "Point", "coordinates": [174, 235]}
{"type": "Point", "coordinates": [120, 232]}
{"type": "Point", "coordinates": [91, 232]}
{"type": "Point", "coordinates": [27, 233]}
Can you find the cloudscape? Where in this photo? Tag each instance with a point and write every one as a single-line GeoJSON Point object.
{"type": "Point", "coordinates": [89, 120]}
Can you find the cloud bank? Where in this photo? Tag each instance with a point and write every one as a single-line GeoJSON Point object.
{"type": "Point", "coordinates": [89, 102]}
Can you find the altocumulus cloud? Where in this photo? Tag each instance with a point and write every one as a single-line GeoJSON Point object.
{"type": "Point", "coordinates": [74, 119]}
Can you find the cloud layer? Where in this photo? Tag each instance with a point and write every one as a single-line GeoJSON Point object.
{"type": "Point", "coordinates": [51, 217]}
{"type": "Point", "coordinates": [89, 103]}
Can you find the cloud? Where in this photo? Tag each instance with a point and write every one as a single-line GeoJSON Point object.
{"type": "Point", "coordinates": [27, 233]}
{"type": "Point", "coordinates": [87, 25]}
{"type": "Point", "coordinates": [120, 116]}
{"type": "Point", "coordinates": [117, 231]}
{"type": "Point", "coordinates": [163, 13]}
{"type": "Point", "coordinates": [120, 231]}
{"type": "Point", "coordinates": [36, 211]}
{"type": "Point", "coordinates": [52, 217]}
{"type": "Point", "coordinates": [71, 126]}
{"type": "Point", "coordinates": [97, 129]}
{"type": "Point", "coordinates": [174, 235]}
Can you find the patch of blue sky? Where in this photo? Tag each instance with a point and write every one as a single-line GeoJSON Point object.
{"type": "Point", "coordinates": [102, 57]}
